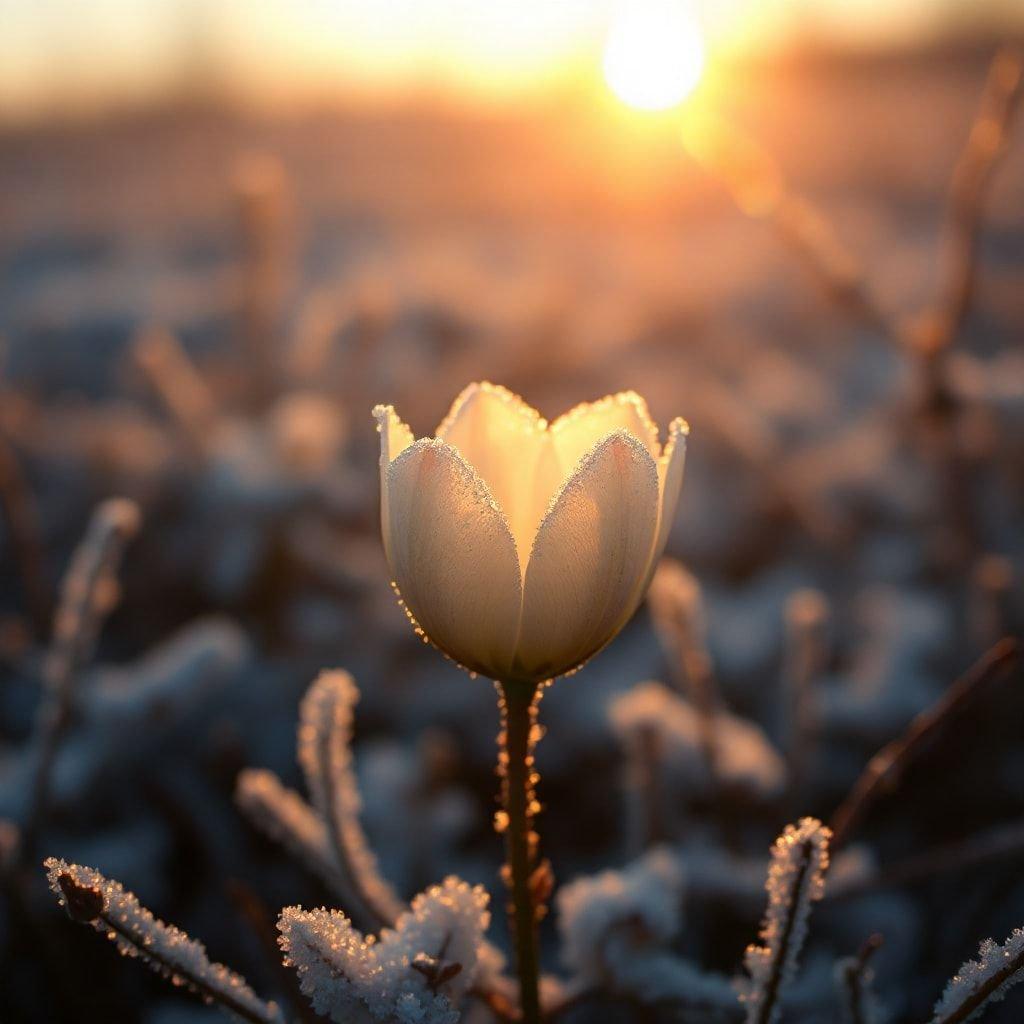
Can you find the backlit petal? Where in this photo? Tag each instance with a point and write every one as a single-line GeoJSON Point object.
{"type": "Point", "coordinates": [670, 478]}
{"type": "Point", "coordinates": [395, 437]}
{"type": "Point", "coordinates": [576, 432]}
{"type": "Point", "coordinates": [453, 556]}
{"type": "Point", "coordinates": [502, 438]}
{"type": "Point", "coordinates": [670, 482]}
{"type": "Point", "coordinates": [590, 557]}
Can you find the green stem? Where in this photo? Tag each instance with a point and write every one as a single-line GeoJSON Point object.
{"type": "Point", "coordinates": [519, 708]}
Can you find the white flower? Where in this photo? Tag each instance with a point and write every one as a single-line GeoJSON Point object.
{"type": "Point", "coordinates": [520, 548]}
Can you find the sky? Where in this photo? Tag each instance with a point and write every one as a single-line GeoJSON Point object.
{"type": "Point", "coordinates": [63, 54]}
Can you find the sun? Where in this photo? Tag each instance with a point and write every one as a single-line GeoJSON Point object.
{"type": "Point", "coordinates": [655, 54]}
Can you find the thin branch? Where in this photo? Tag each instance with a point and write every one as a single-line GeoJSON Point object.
{"type": "Point", "coordinates": [987, 144]}
{"type": "Point", "coordinates": [88, 594]}
{"type": "Point", "coordinates": [983, 848]}
{"type": "Point", "coordinates": [22, 521]}
{"type": "Point", "coordinates": [795, 882]}
{"type": "Point", "coordinates": [766, 1009]}
{"type": "Point", "coordinates": [856, 981]}
{"type": "Point", "coordinates": [885, 770]}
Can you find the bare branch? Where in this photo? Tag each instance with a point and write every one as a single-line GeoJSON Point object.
{"type": "Point", "coordinates": [885, 770]}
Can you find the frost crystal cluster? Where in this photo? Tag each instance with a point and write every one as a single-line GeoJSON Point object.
{"type": "Point", "coordinates": [795, 881]}
{"type": "Point", "coordinates": [983, 981]}
{"type": "Point", "coordinates": [415, 973]}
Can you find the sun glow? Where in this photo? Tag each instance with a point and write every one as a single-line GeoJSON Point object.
{"type": "Point", "coordinates": [655, 54]}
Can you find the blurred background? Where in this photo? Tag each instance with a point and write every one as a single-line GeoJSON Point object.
{"type": "Point", "coordinates": [228, 229]}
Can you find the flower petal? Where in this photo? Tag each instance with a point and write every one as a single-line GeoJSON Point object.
{"type": "Point", "coordinates": [670, 482]}
{"type": "Point", "coordinates": [453, 556]}
{"type": "Point", "coordinates": [670, 477]}
{"type": "Point", "coordinates": [578, 430]}
{"type": "Point", "coordinates": [590, 558]}
{"type": "Point", "coordinates": [502, 438]}
{"type": "Point", "coordinates": [395, 437]}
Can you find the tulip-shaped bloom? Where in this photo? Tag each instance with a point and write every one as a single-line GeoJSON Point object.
{"type": "Point", "coordinates": [520, 548]}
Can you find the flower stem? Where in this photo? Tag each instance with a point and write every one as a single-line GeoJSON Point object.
{"type": "Point", "coordinates": [516, 765]}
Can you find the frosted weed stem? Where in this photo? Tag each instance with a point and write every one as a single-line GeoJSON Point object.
{"type": "Point", "coordinates": [516, 766]}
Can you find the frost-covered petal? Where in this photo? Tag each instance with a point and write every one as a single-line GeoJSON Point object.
{"type": "Point", "coordinates": [395, 437]}
{"type": "Point", "coordinates": [503, 439]}
{"type": "Point", "coordinates": [589, 559]}
{"type": "Point", "coordinates": [453, 556]}
{"type": "Point", "coordinates": [670, 480]}
{"type": "Point", "coordinates": [578, 430]}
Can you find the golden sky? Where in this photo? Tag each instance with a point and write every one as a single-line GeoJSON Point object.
{"type": "Point", "coordinates": [63, 53]}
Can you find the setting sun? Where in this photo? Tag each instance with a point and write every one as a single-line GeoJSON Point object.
{"type": "Point", "coordinates": [655, 54]}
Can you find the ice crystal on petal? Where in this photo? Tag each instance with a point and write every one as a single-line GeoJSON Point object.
{"type": "Point", "coordinates": [418, 971]}
{"type": "Point", "coordinates": [986, 980]}
{"type": "Point", "coordinates": [92, 899]}
{"type": "Point", "coordinates": [795, 880]}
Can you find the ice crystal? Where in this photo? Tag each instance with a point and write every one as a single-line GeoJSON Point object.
{"type": "Point", "coordinates": [325, 732]}
{"type": "Point", "coordinates": [89, 898]}
{"type": "Point", "coordinates": [981, 982]}
{"type": "Point", "coordinates": [795, 881]}
{"type": "Point", "coordinates": [415, 973]}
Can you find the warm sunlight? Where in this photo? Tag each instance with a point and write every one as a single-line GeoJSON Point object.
{"type": "Point", "coordinates": [655, 54]}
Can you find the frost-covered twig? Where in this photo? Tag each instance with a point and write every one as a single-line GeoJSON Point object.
{"type": "Point", "coordinates": [88, 594]}
{"type": "Point", "coordinates": [983, 981]}
{"type": "Point", "coordinates": [325, 730]}
{"type": "Point", "coordinates": [854, 976]}
{"type": "Point", "coordinates": [91, 899]}
{"type": "Point", "coordinates": [886, 768]}
{"type": "Point", "coordinates": [795, 881]}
